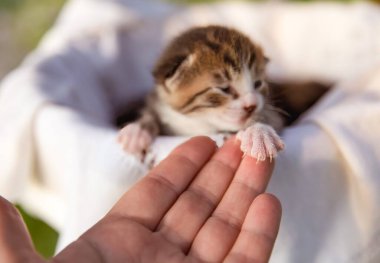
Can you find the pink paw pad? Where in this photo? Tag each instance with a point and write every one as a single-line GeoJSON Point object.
{"type": "Point", "coordinates": [260, 141]}
{"type": "Point", "coordinates": [134, 139]}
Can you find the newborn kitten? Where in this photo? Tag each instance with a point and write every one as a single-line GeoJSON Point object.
{"type": "Point", "coordinates": [209, 80]}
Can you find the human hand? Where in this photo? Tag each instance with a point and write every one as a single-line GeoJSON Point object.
{"type": "Point", "coordinates": [200, 204]}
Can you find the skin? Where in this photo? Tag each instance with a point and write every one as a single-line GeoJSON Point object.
{"type": "Point", "coordinates": [195, 206]}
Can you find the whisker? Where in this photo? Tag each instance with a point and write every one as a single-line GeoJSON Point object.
{"type": "Point", "coordinates": [278, 110]}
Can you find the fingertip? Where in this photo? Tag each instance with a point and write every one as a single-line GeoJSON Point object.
{"type": "Point", "coordinates": [197, 141]}
{"type": "Point", "coordinates": [229, 152]}
{"type": "Point", "coordinates": [9, 213]}
{"type": "Point", "coordinates": [14, 235]}
{"type": "Point", "coordinates": [204, 140]}
{"type": "Point", "coordinates": [233, 142]}
{"type": "Point", "coordinates": [7, 207]}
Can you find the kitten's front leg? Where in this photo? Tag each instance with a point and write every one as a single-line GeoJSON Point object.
{"type": "Point", "coordinates": [137, 137]}
{"type": "Point", "coordinates": [260, 141]}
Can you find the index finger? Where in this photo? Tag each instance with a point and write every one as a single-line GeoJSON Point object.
{"type": "Point", "coordinates": [157, 191]}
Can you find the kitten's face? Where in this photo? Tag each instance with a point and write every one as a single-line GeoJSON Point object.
{"type": "Point", "coordinates": [220, 81]}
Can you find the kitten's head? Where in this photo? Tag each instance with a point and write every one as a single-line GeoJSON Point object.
{"type": "Point", "coordinates": [215, 75]}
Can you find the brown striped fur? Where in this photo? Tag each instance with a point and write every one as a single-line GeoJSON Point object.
{"type": "Point", "coordinates": [199, 76]}
{"type": "Point", "coordinates": [216, 49]}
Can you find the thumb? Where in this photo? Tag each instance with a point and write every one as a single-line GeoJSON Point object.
{"type": "Point", "coordinates": [15, 243]}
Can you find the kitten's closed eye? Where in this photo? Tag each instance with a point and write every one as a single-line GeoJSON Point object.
{"type": "Point", "coordinates": [215, 100]}
{"type": "Point", "coordinates": [227, 90]}
{"type": "Point", "coordinates": [258, 84]}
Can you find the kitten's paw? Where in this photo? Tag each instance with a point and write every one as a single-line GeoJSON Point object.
{"type": "Point", "coordinates": [260, 141]}
{"type": "Point", "coordinates": [135, 139]}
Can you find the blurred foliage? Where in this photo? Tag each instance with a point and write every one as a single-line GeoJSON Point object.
{"type": "Point", "coordinates": [10, 4]}
{"type": "Point", "coordinates": [192, 1]}
{"type": "Point", "coordinates": [211, 1]}
{"type": "Point", "coordinates": [22, 24]}
{"type": "Point", "coordinates": [44, 237]}
{"type": "Point", "coordinates": [35, 19]}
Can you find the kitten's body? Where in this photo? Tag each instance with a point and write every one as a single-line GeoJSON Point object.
{"type": "Point", "coordinates": [209, 80]}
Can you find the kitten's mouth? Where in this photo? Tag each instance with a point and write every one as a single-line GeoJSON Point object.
{"type": "Point", "coordinates": [239, 119]}
{"type": "Point", "coordinates": [245, 118]}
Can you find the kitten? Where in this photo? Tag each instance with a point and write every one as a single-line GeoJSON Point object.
{"type": "Point", "coordinates": [209, 80]}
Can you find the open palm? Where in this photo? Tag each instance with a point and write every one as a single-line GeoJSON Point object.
{"type": "Point", "coordinates": [201, 204]}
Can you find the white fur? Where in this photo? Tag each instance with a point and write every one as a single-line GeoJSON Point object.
{"type": "Point", "coordinates": [248, 96]}
{"type": "Point", "coordinates": [260, 141]}
{"type": "Point", "coordinates": [244, 82]}
{"type": "Point", "coordinates": [249, 99]}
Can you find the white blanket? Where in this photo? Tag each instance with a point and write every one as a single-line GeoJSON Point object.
{"type": "Point", "coordinates": [58, 152]}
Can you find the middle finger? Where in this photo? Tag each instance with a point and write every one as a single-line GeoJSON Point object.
{"type": "Point", "coordinates": [183, 221]}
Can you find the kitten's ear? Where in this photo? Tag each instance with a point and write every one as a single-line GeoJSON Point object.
{"type": "Point", "coordinates": [168, 70]}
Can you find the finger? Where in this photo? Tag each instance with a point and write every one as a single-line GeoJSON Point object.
{"type": "Point", "coordinates": [183, 221]}
{"type": "Point", "coordinates": [219, 233]}
{"type": "Point", "coordinates": [149, 199]}
{"type": "Point", "coordinates": [259, 231]}
{"type": "Point", "coordinates": [15, 243]}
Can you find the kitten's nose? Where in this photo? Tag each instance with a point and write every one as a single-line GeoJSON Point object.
{"type": "Point", "coordinates": [250, 109]}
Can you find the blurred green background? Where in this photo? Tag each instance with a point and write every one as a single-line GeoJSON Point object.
{"type": "Point", "coordinates": [22, 24]}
